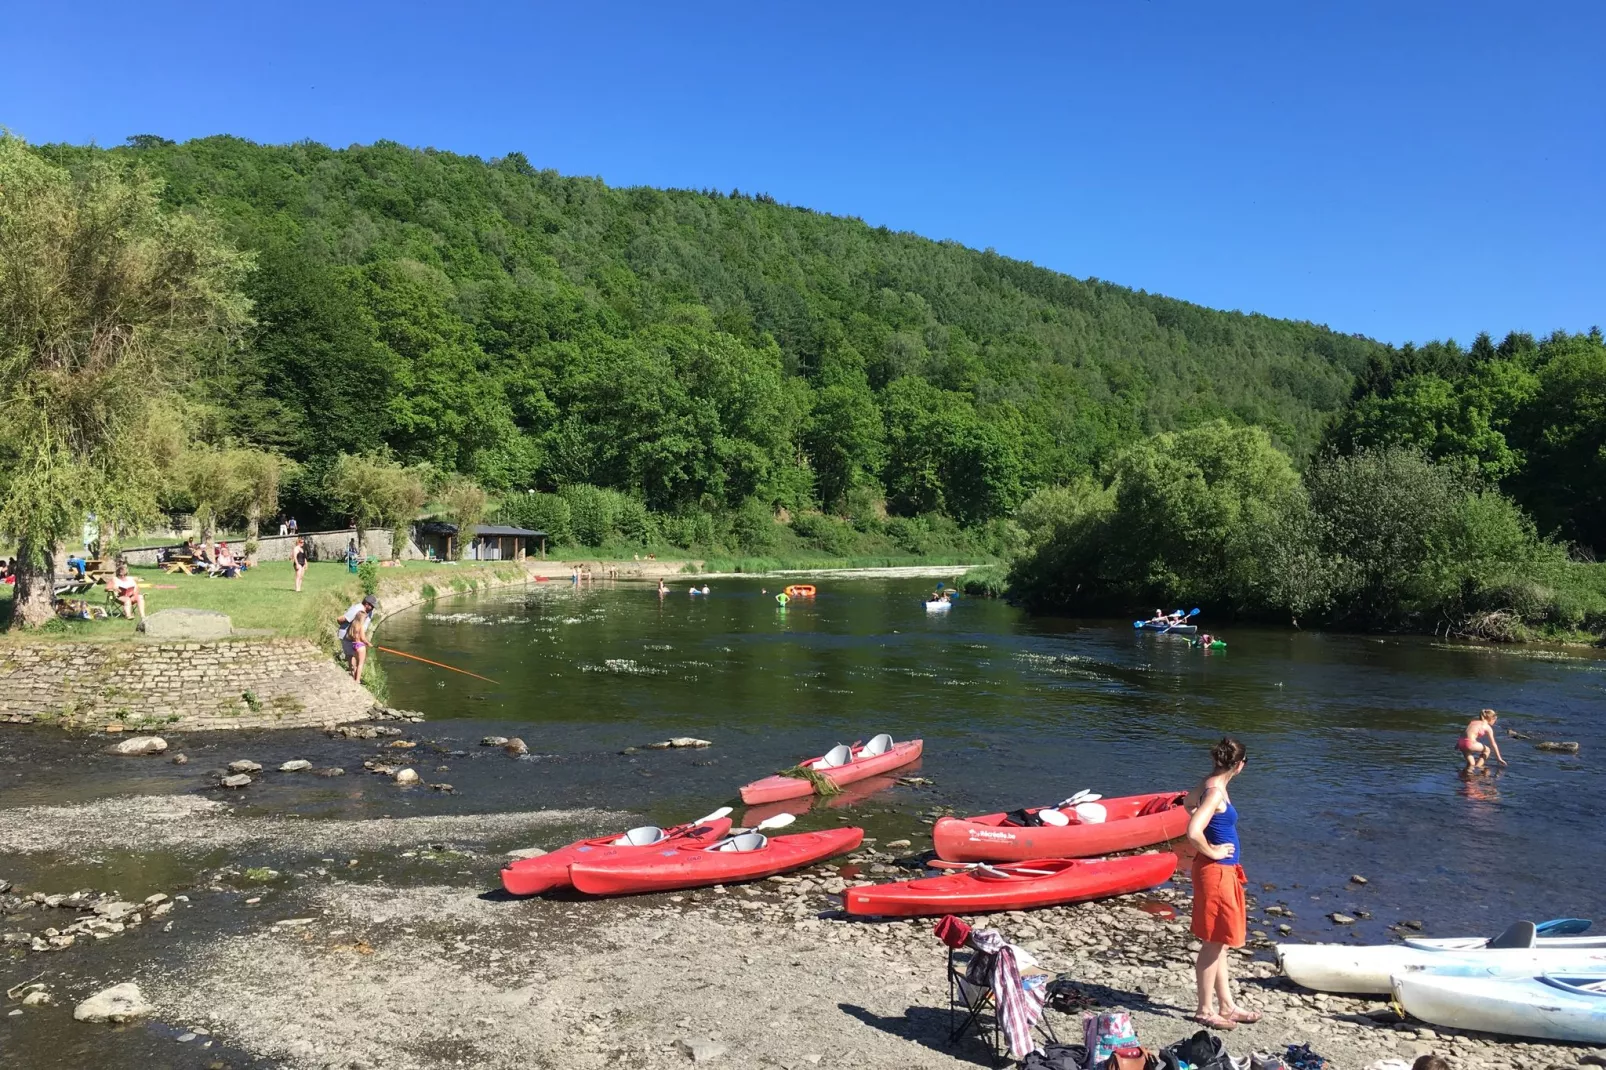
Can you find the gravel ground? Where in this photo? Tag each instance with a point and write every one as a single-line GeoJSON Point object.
{"type": "Point", "coordinates": [407, 967]}
{"type": "Point", "coordinates": [442, 976]}
{"type": "Point", "coordinates": [188, 824]}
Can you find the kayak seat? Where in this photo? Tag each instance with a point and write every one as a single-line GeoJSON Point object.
{"type": "Point", "coordinates": [1052, 817]}
{"type": "Point", "coordinates": [747, 841]}
{"type": "Point", "coordinates": [877, 745]}
{"type": "Point", "coordinates": [1091, 813]}
{"type": "Point", "coordinates": [840, 754]}
{"type": "Point", "coordinates": [645, 836]}
{"type": "Point", "coordinates": [1518, 934]}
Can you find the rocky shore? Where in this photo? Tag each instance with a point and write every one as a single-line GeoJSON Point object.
{"type": "Point", "coordinates": [416, 962]}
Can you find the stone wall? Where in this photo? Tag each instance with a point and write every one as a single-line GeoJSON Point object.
{"type": "Point", "coordinates": [231, 683]}
{"type": "Point", "coordinates": [322, 545]}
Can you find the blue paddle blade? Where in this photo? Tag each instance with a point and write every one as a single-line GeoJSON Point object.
{"type": "Point", "coordinates": [1137, 624]}
{"type": "Point", "coordinates": [1562, 927]}
{"type": "Point", "coordinates": [1194, 612]}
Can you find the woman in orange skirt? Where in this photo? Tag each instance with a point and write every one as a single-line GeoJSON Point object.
{"type": "Point", "coordinates": [1220, 918]}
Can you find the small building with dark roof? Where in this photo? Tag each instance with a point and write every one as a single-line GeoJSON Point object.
{"type": "Point", "coordinates": [486, 542]}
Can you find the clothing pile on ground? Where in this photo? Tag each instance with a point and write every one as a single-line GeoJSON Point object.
{"type": "Point", "coordinates": [1110, 1043]}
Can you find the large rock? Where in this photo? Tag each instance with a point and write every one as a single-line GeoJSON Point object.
{"type": "Point", "coordinates": [139, 745]}
{"type": "Point", "coordinates": [187, 624]}
{"type": "Point", "coordinates": [118, 1003]}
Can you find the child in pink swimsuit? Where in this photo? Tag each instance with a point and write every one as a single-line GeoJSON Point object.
{"type": "Point", "coordinates": [1472, 744]}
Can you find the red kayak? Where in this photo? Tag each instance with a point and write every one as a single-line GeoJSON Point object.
{"type": "Point", "coordinates": [1014, 886]}
{"type": "Point", "coordinates": [748, 857]}
{"type": "Point", "coordinates": [531, 876]}
{"type": "Point", "coordinates": [1128, 823]}
{"type": "Point", "coordinates": [851, 795]}
{"type": "Point", "coordinates": [842, 765]}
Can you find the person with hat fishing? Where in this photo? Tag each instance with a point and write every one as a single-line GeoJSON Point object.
{"type": "Point", "coordinates": [352, 627]}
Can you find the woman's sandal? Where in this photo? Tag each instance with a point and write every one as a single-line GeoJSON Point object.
{"type": "Point", "coordinates": [1214, 1021]}
{"type": "Point", "coordinates": [1238, 1014]}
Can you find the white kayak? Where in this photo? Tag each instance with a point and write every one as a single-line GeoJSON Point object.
{"type": "Point", "coordinates": [1567, 1005]}
{"type": "Point", "coordinates": [1478, 943]}
{"type": "Point", "coordinates": [938, 606]}
{"type": "Point", "coordinates": [1343, 968]}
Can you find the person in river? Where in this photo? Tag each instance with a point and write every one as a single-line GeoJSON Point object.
{"type": "Point", "coordinates": [1220, 915]}
{"type": "Point", "coordinates": [1472, 744]}
{"type": "Point", "coordinates": [662, 589]}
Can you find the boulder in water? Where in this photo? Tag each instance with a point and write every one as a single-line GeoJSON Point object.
{"type": "Point", "coordinates": [138, 745]}
{"type": "Point", "coordinates": [119, 1003]}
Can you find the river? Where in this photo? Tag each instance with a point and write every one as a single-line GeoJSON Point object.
{"type": "Point", "coordinates": [1351, 768]}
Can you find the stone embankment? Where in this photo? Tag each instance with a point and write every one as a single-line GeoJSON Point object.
{"type": "Point", "coordinates": [230, 683]}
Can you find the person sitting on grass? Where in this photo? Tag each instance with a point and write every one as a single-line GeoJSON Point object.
{"type": "Point", "coordinates": [8, 571]}
{"type": "Point", "coordinates": [226, 565]}
{"type": "Point", "coordinates": [125, 589]}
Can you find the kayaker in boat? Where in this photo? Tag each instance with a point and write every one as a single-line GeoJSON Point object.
{"type": "Point", "coordinates": [1471, 744]}
{"type": "Point", "coordinates": [1220, 916]}
{"type": "Point", "coordinates": [1159, 617]}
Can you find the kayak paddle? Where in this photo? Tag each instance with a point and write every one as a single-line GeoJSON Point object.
{"type": "Point", "coordinates": [779, 821]}
{"type": "Point", "coordinates": [723, 811]}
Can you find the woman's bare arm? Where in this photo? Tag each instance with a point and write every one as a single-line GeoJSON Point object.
{"type": "Point", "coordinates": [1201, 818]}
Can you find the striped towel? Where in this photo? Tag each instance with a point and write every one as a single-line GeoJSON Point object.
{"type": "Point", "coordinates": [1019, 1007]}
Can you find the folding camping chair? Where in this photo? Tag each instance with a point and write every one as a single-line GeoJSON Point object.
{"type": "Point", "coordinates": [972, 1005]}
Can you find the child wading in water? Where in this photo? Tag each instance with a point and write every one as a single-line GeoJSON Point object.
{"type": "Point", "coordinates": [1220, 915]}
{"type": "Point", "coordinates": [1471, 744]}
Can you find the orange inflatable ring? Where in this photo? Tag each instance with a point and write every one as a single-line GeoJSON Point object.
{"type": "Point", "coordinates": [800, 590]}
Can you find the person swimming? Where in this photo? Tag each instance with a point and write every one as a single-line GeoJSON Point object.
{"type": "Point", "coordinates": [1472, 744]}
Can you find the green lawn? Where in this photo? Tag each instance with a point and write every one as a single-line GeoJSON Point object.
{"type": "Point", "coordinates": [263, 598]}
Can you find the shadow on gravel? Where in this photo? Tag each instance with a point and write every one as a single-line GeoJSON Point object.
{"type": "Point", "coordinates": [924, 1025]}
{"type": "Point", "coordinates": [1097, 997]}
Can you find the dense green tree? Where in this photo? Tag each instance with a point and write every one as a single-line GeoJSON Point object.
{"type": "Point", "coordinates": [106, 302]}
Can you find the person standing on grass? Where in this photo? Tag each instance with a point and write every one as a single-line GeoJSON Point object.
{"type": "Point", "coordinates": [298, 558]}
{"type": "Point", "coordinates": [126, 590]}
{"type": "Point", "coordinates": [1220, 914]}
{"type": "Point", "coordinates": [353, 632]}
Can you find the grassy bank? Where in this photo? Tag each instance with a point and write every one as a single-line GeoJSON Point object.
{"type": "Point", "coordinates": [264, 599]}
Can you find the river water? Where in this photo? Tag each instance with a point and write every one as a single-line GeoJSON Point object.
{"type": "Point", "coordinates": [1351, 768]}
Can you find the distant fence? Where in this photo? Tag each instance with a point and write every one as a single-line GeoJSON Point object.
{"type": "Point", "coordinates": [321, 546]}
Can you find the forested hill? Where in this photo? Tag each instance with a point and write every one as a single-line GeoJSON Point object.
{"type": "Point", "coordinates": [696, 348]}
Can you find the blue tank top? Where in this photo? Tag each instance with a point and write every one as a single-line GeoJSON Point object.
{"type": "Point", "coordinates": [1223, 828]}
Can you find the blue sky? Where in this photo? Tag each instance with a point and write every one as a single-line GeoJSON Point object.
{"type": "Point", "coordinates": [1406, 171]}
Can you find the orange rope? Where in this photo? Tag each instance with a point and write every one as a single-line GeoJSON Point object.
{"type": "Point", "coordinates": [437, 664]}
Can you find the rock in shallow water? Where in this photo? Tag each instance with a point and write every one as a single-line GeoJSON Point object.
{"type": "Point", "coordinates": [118, 1003]}
{"type": "Point", "coordinates": [239, 780]}
{"type": "Point", "coordinates": [244, 767]}
{"type": "Point", "coordinates": [680, 741]}
{"type": "Point", "coordinates": [295, 766]}
{"type": "Point", "coordinates": [138, 745]}
{"type": "Point", "coordinates": [406, 776]}
{"type": "Point", "coordinates": [527, 852]}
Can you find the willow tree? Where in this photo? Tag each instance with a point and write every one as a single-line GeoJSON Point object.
{"type": "Point", "coordinates": [374, 490]}
{"type": "Point", "coordinates": [105, 300]}
{"type": "Point", "coordinates": [463, 502]}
